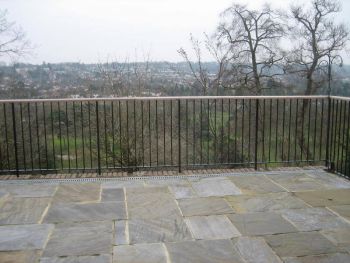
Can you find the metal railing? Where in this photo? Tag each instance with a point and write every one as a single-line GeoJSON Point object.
{"type": "Point", "coordinates": [81, 135]}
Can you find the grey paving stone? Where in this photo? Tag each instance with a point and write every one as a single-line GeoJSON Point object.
{"type": "Point", "coordinates": [80, 239]}
{"type": "Point", "coordinates": [29, 256]}
{"type": "Point", "coordinates": [23, 210]}
{"type": "Point", "coordinates": [255, 224]}
{"type": "Point", "coordinates": [330, 180]}
{"type": "Point", "coordinates": [204, 206]}
{"type": "Point", "coordinates": [86, 212]}
{"type": "Point", "coordinates": [255, 250]}
{"type": "Point", "coordinates": [72, 193]}
{"type": "Point", "coordinates": [203, 251]}
{"type": "Point", "coordinates": [24, 237]}
{"type": "Point", "coordinates": [329, 258]}
{"type": "Point", "coordinates": [135, 193]}
{"type": "Point", "coordinates": [255, 184]}
{"type": "Point", "coordinates": [3, 196]}
{"type": "Point", "coordinates": [326, 197]}
{"type": "Point", "coordinates": [140, 253]}
{"type": "Point", "coordinates": [156, 230]}
{"type": "Point", "coordinates": [211, 227]}
{"type": "Point", "coordinates": [112, 195]}
{"type": "Point", "coordinates": [309, 219]}
{"type": "Point", "coordinates": [24, 190]}
{"type": "Point", "coordinates": [296, 182]}
{"type": "Point", "coordinates": [181, 192]}
{"type": "Point", "coordinates": [342, 210]}
{"type": "Point", "coordinates": [152, 202]}
{"type": "Point", "coordinates": [215, 187]}
{"type": "Point", "coordinates": [121, 234]}
{"type": "Point", "coordinates": [265, 202]}
{"type": "Point", "coordinates": [340, 237]}
{"type": "Point", "coordinates": [81, 259]}
{"type": "Point", "coordinates": [300, 244]}
{"type": "Point", "coordinates": [122, 184]}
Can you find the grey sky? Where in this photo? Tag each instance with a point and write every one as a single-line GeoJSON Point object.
{"type": "Point", "coordinates": [94, 30]}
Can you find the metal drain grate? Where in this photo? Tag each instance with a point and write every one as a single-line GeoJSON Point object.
{"type": "Point", "coordinates": [148, 178]}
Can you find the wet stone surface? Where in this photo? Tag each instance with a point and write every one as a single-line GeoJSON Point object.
{"type": "Point", "coordinates": [80, 239]}
{"type": "Point", "coordinates": [211, 227]}
{"type": "Point", "coordinates": [293, 217]}
{"type": "Point", "coordinates": [257, 224]}
{"type": "Point", "coordinates": [204, 206]}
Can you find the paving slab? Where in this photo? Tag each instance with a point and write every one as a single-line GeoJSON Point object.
{"type": "Point", "coordinates": [215, 187]}
{"type": "Point", "coordinates": [255, 184]}
{"type": "Point", "coordinates": [77, 193]}
{"type": "Point", "coordinates": [80, 239]}
{"type": "Point", "coordinates": [203, 251]}
{"type": "Point", "coordinates": [3, 196]}
{"type": "Point", "coordinates": [181, 191]}
{"type": "Point", "coordinates": [112, 195]}
{"type": "Point", "coordinates": [29, 190]}
{"type": "Point", "coordinates": [253, 249]}
{"type": "Point", "coordinates": [328, 258]}
{"type": "Point", "coordinates": [256, 224]}
{"type": "Point", "coordinates": [82, 259]}
{"type": "Point", "coordinates": [340, 237]}
{"type": "Point", "coordinates": [121, 232]}
{"type": "Point", "coordinates": [264, 202]}
{"type": "Point", "coordinates": [152, 202]}
{"type": "Point", "coordinates": [135, 193]}
{"type": "Point", "coordinates": [86, 212]}
{"type": "Point", "coordinates": [24, 237]}
{"type": "Point", "coordinates": [342, 210]}
{"type": "Point", "coordinates": [326, 197]}
{"type": "Point", "coordinates": [29, 256]}
{"type": "Point", "coordinates": [23, 210]}
{"type": "Point", "coordinates": [122, 184]}
{"type": "Point", "coordinates": [300, 244]}
{"type": "Point", "coordinates": [204, 206]}
{"type": "Point", "coordinates": [309, 219]}
{"type": "Point", "coordinates": [156, 230]}
{"type": "Point", "coordinates": [331, 181]}
{"type": "Point", "coordinates": [140, 253]}
{"type": "Point", "coordinates": [211, 227]}
{"type": "Point", "coordinates": [296, 182]}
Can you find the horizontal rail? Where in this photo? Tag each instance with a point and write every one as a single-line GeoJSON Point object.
{"type": "Point", "coordinates": [340, 98]}
{"type": "Point", "coordinates": [169, 98]}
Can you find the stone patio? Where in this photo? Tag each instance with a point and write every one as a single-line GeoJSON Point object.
{"type": "Point", "coordinates": [286, 216]}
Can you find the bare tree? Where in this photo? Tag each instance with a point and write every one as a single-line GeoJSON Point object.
{"type": "Point", "coordinates": [317, 38]}
{"type": "Point", "coordinates": [208, 83]}
{"type": "Point", "coordinates": [13, 41]}
{"type": "Point", "coordinates": [252, 38]}
{"type": "Point", "coordinates": [115, 78]}
{"type": "Point", "coordinates": [125, 78]}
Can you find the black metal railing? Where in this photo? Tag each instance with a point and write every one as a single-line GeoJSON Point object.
{"type": "Point", "coordinates": [44, 136]}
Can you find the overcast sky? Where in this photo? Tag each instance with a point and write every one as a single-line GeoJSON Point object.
{"type": "Point", "coordinates": [94, 30]}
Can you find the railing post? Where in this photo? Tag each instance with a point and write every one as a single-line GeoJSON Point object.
{"type": "Point", "coordinates": [256, 133]}
{"type": "Point", "coordinates": [179, 134]}
{"type": "Point", "coordinates": [98, 140]}
{"type": "Point", "coordinates": [328, 133]}
{"type": "Point", "coordinates": [15, 136]}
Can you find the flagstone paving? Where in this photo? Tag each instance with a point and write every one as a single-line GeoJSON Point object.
{"type": "Point", "coordinates": [292, 217]}
{"type": "Point", "coordinates": [204, 206]}
{"type": "Point", "coordinates": [257, 224]}
{"type": "Point", "coordinates": [342, 210]}
{"type": "Point", "coordinates": [211, 227]}
{"type": "Point", "coordinates": [326, 197]}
